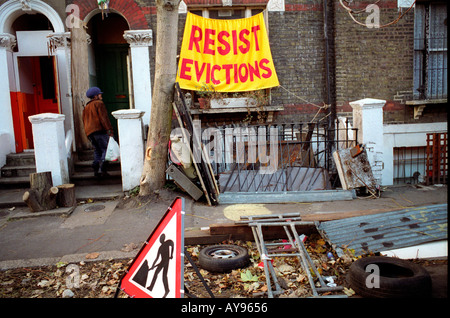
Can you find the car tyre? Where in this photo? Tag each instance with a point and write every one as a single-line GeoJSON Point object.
{"type": "Point", "coordinates": [223, 258]}
{"type": "Point", "coordinates": [390, 278]}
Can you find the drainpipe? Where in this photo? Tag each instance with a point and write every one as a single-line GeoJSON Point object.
{"type": "Point", "coordinates": [328, 25]}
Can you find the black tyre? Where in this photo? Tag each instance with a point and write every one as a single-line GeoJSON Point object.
{"type": "Point", "coordinates": [223, 258]}
{"type": "Point", "coordinates": [397, 278]}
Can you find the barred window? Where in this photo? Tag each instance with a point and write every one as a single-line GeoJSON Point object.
{"type": "Point", "coordinates": [227, 12]}
{"type": "Point", "coordinates": [430, 51]}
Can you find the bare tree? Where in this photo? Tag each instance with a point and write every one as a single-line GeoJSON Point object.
{"type": "Point", "coordinates": [153, 173]}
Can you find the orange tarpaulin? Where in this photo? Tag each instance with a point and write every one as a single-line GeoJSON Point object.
{"type": "Point", "coordinates": [226, 55]}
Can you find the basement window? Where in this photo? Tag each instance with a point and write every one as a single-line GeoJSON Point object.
{"type": "Point", "coordinates": [409, 165]}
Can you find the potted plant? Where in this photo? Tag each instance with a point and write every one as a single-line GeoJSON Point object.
{"type": "Point", "coordinates": [205, 94]}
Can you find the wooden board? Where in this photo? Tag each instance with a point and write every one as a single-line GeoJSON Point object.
{"type": "Point", "coordinates": [354, 172]}
{"type": "Point", "coordinates": [203, 168]}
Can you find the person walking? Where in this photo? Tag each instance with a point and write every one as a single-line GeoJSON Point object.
{"type": "Point", "coordinates": [98, 128]}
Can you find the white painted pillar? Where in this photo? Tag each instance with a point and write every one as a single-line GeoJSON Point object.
{"type": "Point", "coordinates": [7, 146]}
{"type": "Point", "coordinates": [368, 118]}
{"type": "Point", "coordinates": [140, 41]}
{"type": "Point", "coordinates": [131, 139]}
{"type": "Point", "coordinates": [49, 146]}
{"type": "Point", "coordinates": [60, 42]}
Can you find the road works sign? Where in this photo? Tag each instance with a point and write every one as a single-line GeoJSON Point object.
{"type": "Point", "coordinates": [158, 269]}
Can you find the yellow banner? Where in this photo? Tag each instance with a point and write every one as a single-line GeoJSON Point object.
{"type": "Point", "coordinates": [227, 55]}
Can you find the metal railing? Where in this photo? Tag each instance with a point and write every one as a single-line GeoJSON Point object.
{"type": "Point", "coordinates": [276, 157]}
{"type": "Point", "coordinates": [409, 165]}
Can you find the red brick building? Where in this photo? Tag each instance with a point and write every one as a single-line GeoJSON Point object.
{"type": "Point", "coordinates": [393, 52]}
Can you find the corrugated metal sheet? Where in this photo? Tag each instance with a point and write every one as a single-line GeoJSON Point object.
{"type": "Point", "coordinates": [386, 231]}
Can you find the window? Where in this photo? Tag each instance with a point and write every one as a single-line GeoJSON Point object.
{"type": "Point", "coordinates": [430, 51]}
{"type": "Point", "coordinates": [409, 164]}
{"type": "Point", "coordinates": [227, 12]}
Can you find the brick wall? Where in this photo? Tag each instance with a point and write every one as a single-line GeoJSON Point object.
{"type": "Point", "coordinates": [369, 62]}
{"type": "Point", "coordinates": [375, 63]}
{"type": "Point", "coordinates": [297, 44]}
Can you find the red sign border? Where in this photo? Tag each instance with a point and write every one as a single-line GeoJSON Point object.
{"type": "Point", "coordinates": [177, 209]}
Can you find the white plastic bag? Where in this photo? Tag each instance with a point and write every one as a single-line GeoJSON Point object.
{"type": "Point", "coordinates": [113, 150]}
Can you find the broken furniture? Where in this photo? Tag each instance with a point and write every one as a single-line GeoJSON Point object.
{"type": "Point", "coordinates": [354, 169]}
{"type": "Point", "coordinates": [288, 221]}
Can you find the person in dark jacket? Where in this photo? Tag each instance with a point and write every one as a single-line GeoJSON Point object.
{"type": "Point", "coordinates": [98, 128]}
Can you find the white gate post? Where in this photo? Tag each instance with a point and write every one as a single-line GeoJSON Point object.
{"type": "Point", "coordinates": [50, 147]}
{"type": "Point", "coordinates": [131, 139]}
{"type": "Point", "coordinates": [7, 145]}
{"type": "Point", "coordinates": [368, 118]}
{"type": "Point", "coordinates": [140, 41]}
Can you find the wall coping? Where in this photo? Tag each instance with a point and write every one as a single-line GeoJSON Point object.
{"type": "Point", "coordinates": [46, 117]}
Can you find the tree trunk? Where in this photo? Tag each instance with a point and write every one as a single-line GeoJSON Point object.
{"type": "Point", "coordinates": [153, 174]}
{"type": "Point", "coordinates": [42, 194]}
{"type": "Point", "coordinates": [66, 195]}
{"type": "Point", "coordinates": [80, 83]}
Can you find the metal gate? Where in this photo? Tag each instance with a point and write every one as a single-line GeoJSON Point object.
{"type": "Point", "coordinates": [276, 157]}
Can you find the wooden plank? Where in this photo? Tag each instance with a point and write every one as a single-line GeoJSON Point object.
{"type": "Point", "coordinates": [285, 197]}
{"type": "Point", "coordinates": [354, 172]}
{"type": "Point", "coordinates": [204, 168]}
{"type": "Point", "coordinates": [184, 182]}
{"type": "Point", "coordinates": [197, 169]}
{"type": "Point", "coordinates": [244, 232]}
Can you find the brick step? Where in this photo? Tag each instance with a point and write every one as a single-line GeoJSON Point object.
{"type": "Point", "coordinates": [20, 159]}
{"type": "Point", "coordinates": [88, 178]}
{"type": "Point", "coordinates": [86, 166]}
{"type": "Point", "coordinates": [15, 182]}
{"type": "Point", "coordinates": [17, 171]}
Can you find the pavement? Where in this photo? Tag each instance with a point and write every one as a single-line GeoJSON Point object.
{"type": "Point", "coordinates": [107, 222]}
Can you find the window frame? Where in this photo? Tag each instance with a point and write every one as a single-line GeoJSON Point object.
{"type": "Point", "coordinates": [429, 62]}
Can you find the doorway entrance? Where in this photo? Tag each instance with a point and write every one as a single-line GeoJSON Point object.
{"type": "Point", "coordinates": [38, 94]}
{"type": "Point", "coordinates": [109, 62]}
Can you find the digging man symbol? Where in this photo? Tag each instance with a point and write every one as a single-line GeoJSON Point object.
{"type": "Point", "coordinates": [165, 253]}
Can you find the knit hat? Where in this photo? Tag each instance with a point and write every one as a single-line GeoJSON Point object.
{"type": "Point", "coordinates": [93, 91]}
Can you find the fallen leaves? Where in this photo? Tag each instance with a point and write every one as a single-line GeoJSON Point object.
{"type": "Point", "coordinates": [99, 279]}
{"type": "Point", "coordinates": [251, 281]}
{"type": "Point", "coordinates": [247, 276]}
{"type": "Point", "coordinates": [81, 280]}
{"type": "Point", "coordinates": [92, 255]}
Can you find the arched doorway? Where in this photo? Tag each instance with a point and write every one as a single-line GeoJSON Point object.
{"type": "Point", "coordinates": [36, 80]}
{"type": "Point", "coordinates": [109, 61]}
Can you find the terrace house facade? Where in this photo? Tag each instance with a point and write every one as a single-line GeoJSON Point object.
{"type": "Point", "coordinates": [325, 55]}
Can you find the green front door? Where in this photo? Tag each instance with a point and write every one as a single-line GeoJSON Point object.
{"type": "Point", "coordinates": [112, 76]}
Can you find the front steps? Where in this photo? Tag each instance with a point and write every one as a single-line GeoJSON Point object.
{"type": "Point", "coordinates": [83, 174]}
{"type": "Point", "coordinates": [16, 172]}
{"type": "Point", "coordinates": [19, 166]}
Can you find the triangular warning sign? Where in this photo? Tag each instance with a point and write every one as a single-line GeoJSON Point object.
{"type": "Point", "coordinates": [158, 269]}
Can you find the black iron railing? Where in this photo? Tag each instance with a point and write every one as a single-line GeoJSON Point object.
{"type": "Point", "coordinates": [276, 157]}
